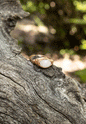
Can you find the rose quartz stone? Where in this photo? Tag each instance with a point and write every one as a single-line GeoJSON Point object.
{"type": "Point", "coordinates": [45, 63]}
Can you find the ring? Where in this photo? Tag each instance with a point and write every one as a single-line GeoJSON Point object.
{"type": "Point", "coordinates": [41, 60]}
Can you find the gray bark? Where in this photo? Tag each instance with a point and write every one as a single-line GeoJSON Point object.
{"type": "Point", "coordinates": [29, 94]}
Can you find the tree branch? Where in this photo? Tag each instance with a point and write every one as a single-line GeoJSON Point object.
{"type": "Point", "coordinates": [30, 94]}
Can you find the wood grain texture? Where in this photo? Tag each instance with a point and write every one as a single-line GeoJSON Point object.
{"type": "Point", "coordinates": [29, 94]}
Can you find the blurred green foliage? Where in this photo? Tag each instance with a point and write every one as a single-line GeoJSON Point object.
{"type": "Point", "coordinates": [83, 45]}
{"type": "Point", "coordinates": [77, 21]}
{"type": "Point", "coordinates": [80, 5]}
{"type": "Point", "coordinates": [38, 21]}
{"type": "Point", "coordinates": [57, 14]}
{"type": "Point", "coordinates": [82, 75]}
{"type": "Point", "coordinates": [31, 7]}
{"type": "Point", "coordinates": [64, 51]}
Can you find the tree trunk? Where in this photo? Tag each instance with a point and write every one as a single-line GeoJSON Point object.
{"type": "Point", "coordinates": [29, 94]}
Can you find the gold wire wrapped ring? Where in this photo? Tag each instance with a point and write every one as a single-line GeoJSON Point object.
{"type": "Point", "coordinates": [41, 61]}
